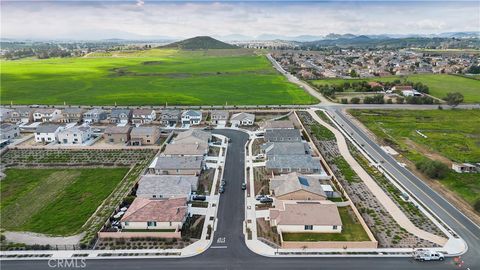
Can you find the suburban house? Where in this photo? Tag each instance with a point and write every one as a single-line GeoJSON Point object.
{"type": "Point", "coordinates": [185, 149]}
{"type": "Point", "coordinates": [293, 163]}
{"type": "Point", "coordinates": [283, 135]}
{"type": "Point", "coordinates": [285, 148]}
{"type": "Point", "coordinates": [287, 124]}
{"type": "Point", "coordinates": [24, 115]}
{"type": "Point", "coordinates": [47, 133]}
{"type": "Point", "coordinates": [9, 131]}
{"type": "Point", "coordinates": [143, 116]}
{"type": "Point", "coordinates": [166, 186]}
{"type": "Point", "coordinates": [177, 165]}
{"type": "Point", "coordinates": [193, 136]}
{"type": "Point", "coordinates": [219, 118]}
{"type": "Point", "coordinates": [117, 134]}
{"type": "Point", "coordinates": [75, 135]}
{"type": "Point", "coordinates": [47, 115]}
{"type": "Point", "coordinates": [144, 135]}
{"type": "Point", "coordinates": [152, 214]}
{"type": "Point", "coordinates": [71, 115]}
{"type": "Point", "coordinates": [242, 119]}
{"type": "Point", "coordinates": [465, 168]}
{"type": "Point", "coordinates": [94, 116]}
{"type": "Point", "coordinates": [170, 118]}
{"type": "Point", "coordinates": [5, 114]}
{"type": "Point", "coordinates": [120, 116]}
{"type": "Point", "coordinates": [294, 186]}
{"type": "Point", "coordinates": [316, 217]}
{"type": "Point", "coordinates": [191, 118]}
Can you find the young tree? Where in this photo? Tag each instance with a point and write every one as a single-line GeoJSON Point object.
{"type": "Point", "coordinates": [453, 99]}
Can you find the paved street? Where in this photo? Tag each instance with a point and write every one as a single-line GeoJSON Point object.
{"type": "Point", "coordinates": [231, 252]}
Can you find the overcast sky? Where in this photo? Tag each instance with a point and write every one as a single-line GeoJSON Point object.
{"type": "Point", "coordinates": [135, 19]}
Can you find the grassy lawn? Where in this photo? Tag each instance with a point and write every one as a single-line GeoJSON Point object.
{"type": "Point", "coordinates": [452, 135]}
{"type": "Point", "coordinates": [351, 231]}
{"type": "Point", "coordinates": [322, 133]}
{"type": "Point", "coordinates": [439, 84]}
{"type": "Point", "coordinates": [54, 201]}
{"type": "Point", "coordinates": [152, 77]}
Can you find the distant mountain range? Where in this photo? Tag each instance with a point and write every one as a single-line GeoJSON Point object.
{"type": "Point", "coordinates": [200, 43]}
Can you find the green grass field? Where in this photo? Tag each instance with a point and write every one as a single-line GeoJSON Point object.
{"type": "Point", "coordinates": [153, 77]}
{"type": "Point", "coordinates": [439, 84]}
{"type": "Point", "coordinates": [54, 201]}
{"type": "Point", "coordinates": [451, 134]}
{"type": "Point", "coordinates": [351, 231]}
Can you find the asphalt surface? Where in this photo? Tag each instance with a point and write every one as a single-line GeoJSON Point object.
{"type": "Point", "coordinates": [228, 251]}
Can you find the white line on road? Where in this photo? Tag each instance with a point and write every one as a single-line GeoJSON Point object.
{"type": "Point", "coordinates": [219, 247]}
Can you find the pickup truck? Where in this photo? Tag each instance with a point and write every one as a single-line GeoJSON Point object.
{"type": "Point", "coordinates": [427, 255]}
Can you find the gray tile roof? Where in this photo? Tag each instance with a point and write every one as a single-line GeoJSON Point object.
{"type": "Point", "coordinates": [285, 148]}
{"type": "Point", "coordinates": [242, 116]}
{"type": "Point", "coordinates": [47, 128]}
{"type": "Point", "coordinates": [192, 113]}
{"type": "Point", "coordinates": [283, 135]}
{"type": "Point", "coordinates": [288, 183]}
{"type": "Point", "coordinates": [117, 130]}
{"type": "Point", "coordinates": [140, 131]}
{"type": "Point", "coordinates": [176, 162]}
{"type": "Point", "coordinates": [73, 110]}
{"type": "Point", "coordinates": [293, 162]}
{"type": "Point", "coordinates": [219, 115]}
{"type": "Point", "coordinates": [166, 185]}
{"type": "Point", "coordinates": [118, 112]}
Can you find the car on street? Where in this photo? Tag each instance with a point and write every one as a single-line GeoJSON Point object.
{"type": "Point", "coordinates": [224, 182]}
{"type": "Point", "coordinates": [221, 189]}
{"type": "Point", "coordinates": [244, 186]}
{"type": "Point", "coordinates": [427, 255]}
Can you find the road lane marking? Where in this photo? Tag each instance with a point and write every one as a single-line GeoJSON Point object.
{"type": "Point", "coordinates": [219, 247]}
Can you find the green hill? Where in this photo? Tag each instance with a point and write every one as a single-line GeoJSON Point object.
{"type": "Point", "coordinates": [200, 43]}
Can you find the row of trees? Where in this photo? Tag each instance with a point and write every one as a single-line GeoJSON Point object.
{"type": "Point", "coordinates": [363, 86]}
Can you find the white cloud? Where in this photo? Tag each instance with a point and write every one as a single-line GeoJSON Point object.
{"type": "Point", "coordinates": [125, 19]}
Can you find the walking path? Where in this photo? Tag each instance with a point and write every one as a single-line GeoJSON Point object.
{"type": "Point", "coordinates": [30, 238]}
{"type": "Point", "coordinates": [391, 207]}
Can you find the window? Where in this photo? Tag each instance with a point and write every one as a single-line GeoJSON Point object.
{"type": "Point", "coordinates": [308, 227]}
{"type": "Point", "coordinates": [335, 227]}
{"type": "Point", "coordinates": [151, 223]}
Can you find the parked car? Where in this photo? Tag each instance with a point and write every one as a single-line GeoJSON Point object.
{"type": "Point", "coordinates": [224, 182]}
{"type": "Point", "coordinates": [258, 197]}
{"type": "Point", "coordinates": [221, 189]}
{"type": "Point", "coordinates": [266, 200]}
{"type": "Point", "coordinates": [208, 128]}
{"type": "Point", "coordinates": [244, 186]}
{"type": "Point", "coordinates": [427, 255]}
{"type": "Point", "coordinates": [199, 197]}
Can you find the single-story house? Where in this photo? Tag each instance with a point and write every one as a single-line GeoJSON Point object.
{"type": "Point", "coordinates": [145, 214]}
{"type": "Point", "coordinates": [186, 149]}
{"type": "Point", "coordinates": [294, 186]}
{"type": "Point", "coordinates": [283, 135]}
{"type": "Point", "coordinates": [242, 119]}
{"type": "Point", "coordinates": [193, 136]}
{"type": "Point", "coordinates": [94, 116]}
{"type": "Point", "coordinates": [294, 163]}
{"type": "Point", "coordinates": [47, 115]}
{"type": "Point", "coordinates": [170, 117]}
{"type": "Point", "coordinates": [316, 217]}
{"type": "Point", "coordinates": [117, 134]}
{"type": "Point", "coordinates": [120, 116]}
{"type": "Point", "coordinates": [47, 133]}
{"type": "Point", "coordinates": [219, 117]}
{"type": "Point", "coordinates": [75, 135]}
{"type": "Point", "coordinates": [191, 118]}
{"type": "Point", "coordinates": [9, 131]}
{"type": "Point", "coordinates": [144, 135]}
{"type": "Point", "coordinates": [465, 168]}
{"type": "Point", "coordinates": [278, 124]}
{"type": "Point", "coordinates": [143, 116]}
{"type": "Point", "coordinates": [166, 186]}
{"type": "Point", "coordinates": [177, 165]}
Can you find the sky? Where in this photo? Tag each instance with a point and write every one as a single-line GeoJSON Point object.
{"type": "Point", "coordinates": [231, 19]}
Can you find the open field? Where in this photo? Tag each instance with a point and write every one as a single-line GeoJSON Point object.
{"type": "Point", "coordinates": [439, 84]}
{"type": "Point", "coordinates": [152, 77]}
{"type": "Point", "coordinates": [452, 135]}
{"type": "Point", "coordinates": [351, 231]}
{"type": "Point", "coordinates": [54, 201]}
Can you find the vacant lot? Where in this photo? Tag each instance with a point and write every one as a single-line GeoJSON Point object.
{"type": "Point", "coordinates": [54, 201]}
{"type": "Point", "coordinates": [452, 135]}
{"type": "Point", "coordinates": [352, 230]}
{"type": "Point", "coordinates": [152, 77]}
{"type": "Point", "coordinates": [439, 84]}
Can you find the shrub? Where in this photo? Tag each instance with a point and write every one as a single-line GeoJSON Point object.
{"type": "Point", "coordinates": [344, 101]}
{"type": "Point", "coordinates": [432, 168]}
{"type": "Point", "coordinates": [477, 205]}
{"type": "Point", "coordinates": [355, 100]}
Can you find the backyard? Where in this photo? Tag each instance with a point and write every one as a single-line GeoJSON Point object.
{"type": "Point", "coordinates": [149, 77]}
{"type": "Point", "coordinates": [352, 230]}
{"type": "Point", "coordinates": [54, 201]}
{"type": "Point", "coordinates": [449, 136]}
